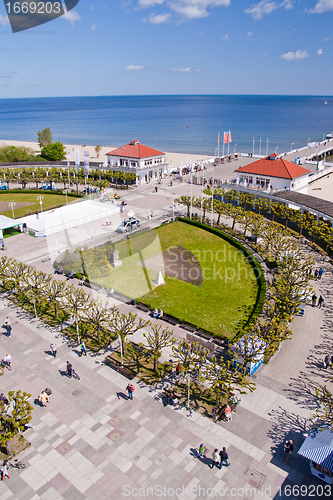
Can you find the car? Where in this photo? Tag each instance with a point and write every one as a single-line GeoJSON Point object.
{"type": "Point", "coordinates": [128, 224]}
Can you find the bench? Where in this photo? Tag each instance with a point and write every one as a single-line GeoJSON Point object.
{"type": "Point", "coordinates": [188, 326]}
{"type": "Point", "coordinates": [220, 413]}
{"type": "Point", "coordinates": [143, 308]}
{"type": "Point", "coordinates": [170, 319]}
{"type": "Point", "coordinates": [116, 365]}
{"type": "Point", "coordinates": [92, 286]}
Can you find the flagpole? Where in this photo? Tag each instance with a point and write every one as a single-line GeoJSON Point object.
{"type": "Point", "coordinates": [191, 199]}
{"type": "Point", "coordinates": [211, 219]}
{"type": "Point", "coordinates": [218, 145]}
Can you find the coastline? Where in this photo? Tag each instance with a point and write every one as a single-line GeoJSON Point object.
{"type": "Point", "coordinates": [170, 157]}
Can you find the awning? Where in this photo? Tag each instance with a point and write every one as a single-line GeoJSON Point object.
{"type": "Point", "coordinates": [318, 447]}
{"type": "Point", "coordinates": [6, 222]}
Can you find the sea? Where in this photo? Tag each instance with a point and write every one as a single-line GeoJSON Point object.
{"type": "Point", "coordinates": [187, 124]}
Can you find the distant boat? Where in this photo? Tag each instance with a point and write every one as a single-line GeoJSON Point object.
{"type": "Point", "coordinates": [329, 136]}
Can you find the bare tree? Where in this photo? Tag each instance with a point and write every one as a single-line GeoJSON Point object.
{"type": "Point", "coordinates": [157, 340]}
{"type": "Point", "coordinates": [123, 325]}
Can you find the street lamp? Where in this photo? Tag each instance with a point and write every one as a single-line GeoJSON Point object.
{"type": "Point", "coordinates": [188, 390]}
{"type": "Point", "coordinates": [235, 146]}
{"type": "Point", "coordinates": [12, 204]}
{"type": "Point", "coordinates": [65, 191]}
{"type": "Point", "coordinates": [277, 147]}
{"type": "Point", "coordinates": [291, 146]}
{"type": "Point", "coordinates": [40, 198]}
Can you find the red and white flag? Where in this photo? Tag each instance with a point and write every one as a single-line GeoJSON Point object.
{"type": "Point", "coordinates": [225, 140]}
{"type": "Point", "coordinates": [218, 139]}
{"type": "Point", "coordinates": [230, 136]}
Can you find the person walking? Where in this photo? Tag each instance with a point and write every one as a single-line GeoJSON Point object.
{"type": "Point", "coordinates": [53, 348]}
{"type": "Point", "coordinates": [215, 456]}
{"type": "Point", "coordinates": [320, 301]}
{"type": "Point", "coordinates": [4, 471]}
{"type": "Point", "coordinates": [320, 273]}
{"type": "Point", "coordinates": [314, 300]}
{"type": "Point", "coordinates": [130, 389]}
{"type": "Point", "coordinates": [8, 360]}
{"type": "Point", "coordinates": [327, 361]}
{"type": "Point", "coordinates": [8, 326]}
{"type": "Point", "coordinates": [83, 349]}
{"type": "Point", "coordinates": [69, 369]}
{"type": "Point", "coordinates": [224, 457]}
{"type": "Point", "coordinates": [227, 412]}
{"type": "Point", "coordinates": [316, 274]}
{"type": "Point", "coordinates": [202, 450]}
{"type": "Point", "coordinates": [288, 449]}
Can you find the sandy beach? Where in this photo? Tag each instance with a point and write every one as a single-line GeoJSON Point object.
{"type": "Point", "coordinates": [173, 158]}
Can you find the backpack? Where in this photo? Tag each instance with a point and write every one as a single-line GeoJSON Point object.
{"type": "Point", "coordinates": [132, 388]}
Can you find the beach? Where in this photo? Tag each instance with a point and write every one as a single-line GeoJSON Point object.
{"type": "Point", "coordinates": [173, 158]}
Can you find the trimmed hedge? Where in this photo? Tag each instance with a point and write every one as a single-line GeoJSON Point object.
{"type": "Point", "coordinates": [39, 191]}
{"type": "Point", "coordinates": [257, 269]}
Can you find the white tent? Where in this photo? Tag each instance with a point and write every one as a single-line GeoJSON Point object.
{"type": "Point", "coordinates": [6, 223]}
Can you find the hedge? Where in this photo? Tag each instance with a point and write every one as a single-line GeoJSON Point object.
{"type": "Point", "coordinates": [39, 191]}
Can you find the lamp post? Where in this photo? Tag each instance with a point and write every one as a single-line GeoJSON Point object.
{"type": "Point", "coordinates": [12, 204]}
{"type": "Point", "coordinates": [291, 146]}
{"type": "Point", "coordinates": [65, 191]}
{"type": "Point", "coordinates": [188, 390]}
{"type": "Point", "coordinates": [277, 147]}
{"type": "Point", "coordinates": [40, 198]}
{"type": "Point", "coordinates": [235, 146]}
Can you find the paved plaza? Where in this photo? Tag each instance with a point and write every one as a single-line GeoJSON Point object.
{"type": "Point", "coordinates": [93, 443]}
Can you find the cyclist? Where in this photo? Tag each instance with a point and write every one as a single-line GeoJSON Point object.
{"type": "Point", "coordinates": [69, 369]}
{"type": "Point", "coordinates": [83, 349]}
{"type": "Point", "coordinates": [8, 360]}
{"type": "Point", "coordinates": [2, 245]}
{"type": "Point", "coordinates": [202, 450]}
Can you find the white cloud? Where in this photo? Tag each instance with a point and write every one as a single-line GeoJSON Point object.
{"type": "Point", "coordinates": [257, 11]}
{"type": "Point", "coordinates": [225, 37]}
{"type": "Point", "coordinates": [72, 16]}
{"type": "Point", "coordinates": [92, 7]}
{"type": "Point", "coordinates": [319, 52]}
{"type": "Point", "coordinates": [134, 68]}
{"type": "Point", "coordinates": [186, 9]}
{"type": "Point", "coordinates": [326, 39]}
{"type": "Point", "coordinates": [159, 18]}
{"type": "Point", "coordinates": [185, 70]}
{"type": "Point", "coordinates": [322, 6]}
{"type": "Point", "coordinates": [295, 56]}
{"type": "Point", "coordinates": [4, 20]}
{"type": "Point", "coordinates": [250, 33]}
{"type": "Point", "coordinates": [94, 26]}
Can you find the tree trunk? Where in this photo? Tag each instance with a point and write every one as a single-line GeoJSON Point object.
{"type": "Point", "coordinates": [9, 449]}
{"type": "Point", "coordinates": [155, 365]}
{"type": "Point", "coordinates": [233, 224]}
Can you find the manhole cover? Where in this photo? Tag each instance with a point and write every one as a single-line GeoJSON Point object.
{"type": "Point", "coordinates": [76, 392]}
{"type": "Point", "coordinates": [256, 478]}
{"type": "Point", "coordinates": [64, 448]}
{"type": "Point", "coordinates": [115, 421]}
{"type": "Point", "coordinates": [114, 436]}
{"type": "Point", "coordinates": [37, 369]}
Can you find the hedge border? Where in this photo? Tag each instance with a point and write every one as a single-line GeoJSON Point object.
{"type": "Point", "coordinates": [39, 191]}
{"type": "Point", "coordinates": [258, 271]}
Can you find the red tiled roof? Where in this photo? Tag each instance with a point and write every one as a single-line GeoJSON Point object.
{"type": "Point", "coordinates": [273, 166]}
{"type": "Point", "coordinates": [135, 150]}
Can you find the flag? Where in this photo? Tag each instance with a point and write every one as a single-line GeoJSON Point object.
{"type": "Point", "coordinates": [77, 159]}
{"type": "Point", "coordinates": [68, 155]}
{"type": "Point", "coordinates": [225, 139]}
{"type": "Point", "coordinates": [230, 136]}
{"type": "Point", "coordinates": [86, 163]}
{"type": "Point", "coordinates": [218, 139]}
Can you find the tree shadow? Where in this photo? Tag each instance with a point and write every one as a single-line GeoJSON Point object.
{"type": "Point", "coordinates": [286, 425]}
{"type": "Point", "coordinates": [302, 390]}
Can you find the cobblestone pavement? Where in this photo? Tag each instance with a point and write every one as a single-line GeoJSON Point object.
{"type": "Point", "coordinates": [93, 443]}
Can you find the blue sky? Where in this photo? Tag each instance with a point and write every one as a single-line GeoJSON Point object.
{"type": "Point", "coordinates": [128, 47]}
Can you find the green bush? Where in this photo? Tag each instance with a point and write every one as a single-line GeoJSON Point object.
{"type": "Point", "coordinates": [53, 152]}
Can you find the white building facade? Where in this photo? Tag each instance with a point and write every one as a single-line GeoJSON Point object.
{"type": "Point", "coordinates": [146, 163]}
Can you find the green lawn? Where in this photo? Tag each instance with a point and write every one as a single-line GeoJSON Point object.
{"type": "Point", "coordinates": [26, 202]}
{"type": "Point", "coordinates": [221, 304]}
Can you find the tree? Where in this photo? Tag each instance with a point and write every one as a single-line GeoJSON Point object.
{"type": "Point", "coordinates": [33, 284]}
{"type": "Point", "coordinates": [247, 349]}
{"type": "Point", "coordinates": [186, 201]}
{"type": "Point", "coordinates": [14, 154]}
{"type": "Point", "coordinates": [97, 149]}
{"type": "Point", "coordinates": [56, 291]}
{"type": "Point", "coordinates": [53, 152]}
{"type": "Point", "coordinates": [44, 137]}
{"type": "Point", "coordinates": [14, 420]}
{"type": "Point", "coordinates": [325, 412]}
{"type": "Point", "coordinates": [225, 380]}
{"type": "Point", "coordinates": [76, 303]}
{"type": "Point", "coordinates": [191, 356]}
{"type": "Point", "coordinates": [158, 340]}
{"type": "Point", "coordinates": [123, 325]}
{"type": "Point", "coordinates": [98, 315]}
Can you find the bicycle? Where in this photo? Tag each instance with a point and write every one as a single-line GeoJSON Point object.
{"type": "Point", "coordinates": [5, 364]}
{"type": "Point", "coordinates": [75, 375]}
{"type": "Point", "coordinates": [16, 464]}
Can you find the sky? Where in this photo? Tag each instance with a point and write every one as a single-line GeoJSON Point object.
{"type": "Point", "coordinates": [158, 47]}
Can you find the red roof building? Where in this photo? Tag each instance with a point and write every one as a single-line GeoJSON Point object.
{"type": "Point", "coordinates": [274, 166]}
{"type": "Point", "coordinates": [273, 172]}
{"type": "Point", "coordinates": [135, 150]}
{"type": "Point", "coordinates": [147, 163]}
